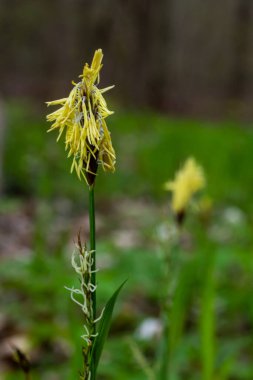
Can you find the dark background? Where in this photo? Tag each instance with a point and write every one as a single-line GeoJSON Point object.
{"type": "Point", "coordinates": [173, 55]}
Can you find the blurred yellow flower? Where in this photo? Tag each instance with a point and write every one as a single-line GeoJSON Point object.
{"type": "Point", "coordinates": [187, 182]}
{"type": "Point", "coordinates": [82, 115]}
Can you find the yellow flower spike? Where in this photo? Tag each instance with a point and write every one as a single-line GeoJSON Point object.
{"type": "Point", "coordinates": [187, 182]}
{"type": "Point", "coordinates": [82, 116]}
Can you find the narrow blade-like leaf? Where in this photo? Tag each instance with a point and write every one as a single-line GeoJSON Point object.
{"type": "Point", "coordinates": [103, 328]}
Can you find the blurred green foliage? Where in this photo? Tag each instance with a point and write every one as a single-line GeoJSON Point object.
{"type": "Point", "coordinates": [211, 320]}
{"type": "Point", "coordinates": [149, 149]}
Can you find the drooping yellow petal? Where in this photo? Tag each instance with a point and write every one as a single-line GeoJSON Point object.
{"type": "Point", "coordinates": [56, 102]}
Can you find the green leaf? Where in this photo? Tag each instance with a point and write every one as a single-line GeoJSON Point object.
{"type": "Point", "coordinates": [103, 328]}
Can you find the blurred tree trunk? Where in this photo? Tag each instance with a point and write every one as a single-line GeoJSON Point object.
{"type": "Point", "coordinates": [160, 52]}
{"type": "Point", "coordinates": [2, 134]}
{"type": "Point", "coordinates": [239, 72]}
{"type": "Point", "coordinates": [66, 64]}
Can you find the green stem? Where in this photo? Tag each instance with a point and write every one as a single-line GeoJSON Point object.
{"type": "Point", "coordinates": [170, 268]}
{"type": "Point", "coordinates": [93, 268]}
{"type": "Point", "coordinates": [93, 246]}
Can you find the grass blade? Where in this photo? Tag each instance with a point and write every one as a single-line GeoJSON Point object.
{"type": "Point", "coordinates": [103, 328]}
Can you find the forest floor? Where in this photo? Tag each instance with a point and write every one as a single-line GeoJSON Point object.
{"type": "Point", "coordinates": [44, 207]}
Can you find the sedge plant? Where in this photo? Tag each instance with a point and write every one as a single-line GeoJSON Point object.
{"type": "Point", "coordinates": [188, 180]}
{"type": "Point", "coordinates": [81, 118]}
